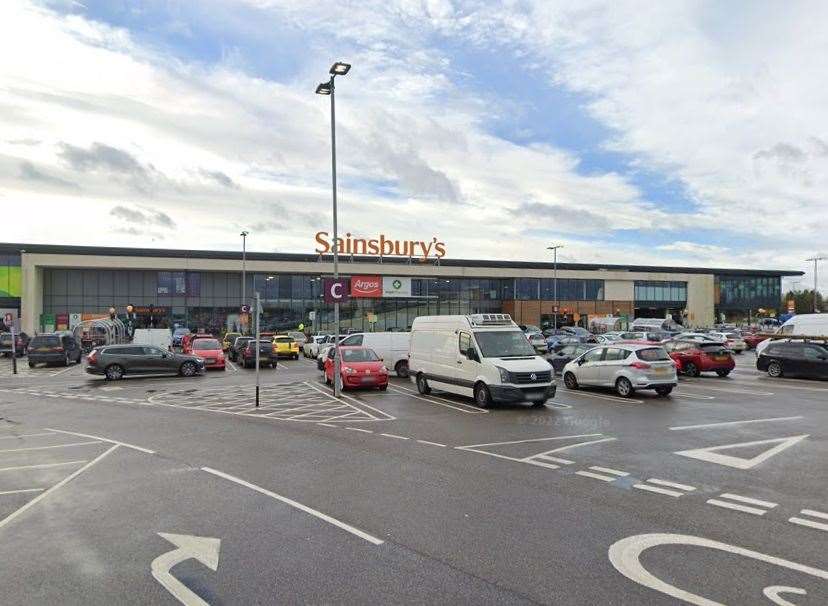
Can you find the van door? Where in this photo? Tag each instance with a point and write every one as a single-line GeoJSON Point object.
{"type": "Point", "coordinates": [467, 362]}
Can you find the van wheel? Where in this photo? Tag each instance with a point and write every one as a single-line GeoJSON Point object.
{"type": "Point", "coordinates": [570, 381]}
{"type": "Point", "coordinates": [623, 387]}
{"type": "Point", "coordinates": [422, 385]}
{"type": "Point", "coordinates": [775, 369]}
{"type": "Point", "coordinates": [114, 372]}
{"type": "Point", "coordinates": [691, 370]}
{"type": "Point", "coordinates": [482, 397]}
{"type": "Point", "coordinates": [402, 369]}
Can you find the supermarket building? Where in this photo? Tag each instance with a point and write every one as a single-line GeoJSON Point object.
{"type": "Point", "coordinates": [54, 286]}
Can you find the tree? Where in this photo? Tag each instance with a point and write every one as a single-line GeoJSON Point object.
{"type": "Point", "coordinates": [804, 301]}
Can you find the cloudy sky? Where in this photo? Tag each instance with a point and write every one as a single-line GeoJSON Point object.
{"type": "Point", "coordinates": [693, 133]}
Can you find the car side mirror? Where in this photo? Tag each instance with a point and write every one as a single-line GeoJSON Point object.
{"type": "Point", "coordinates": [581, 361]}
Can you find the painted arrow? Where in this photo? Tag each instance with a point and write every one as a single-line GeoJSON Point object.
{"type": "Point", "coordinates": [203, 549]}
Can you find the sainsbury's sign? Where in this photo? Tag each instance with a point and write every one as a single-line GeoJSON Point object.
{"type": "Point", "coordinates": [381, 246]}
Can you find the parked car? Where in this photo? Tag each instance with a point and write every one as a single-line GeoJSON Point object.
{"type": "Point", "coordinates": [582, 333]}
{"type": "Point", "coordinates": [21, 342]}
{"type": "Point", "coordinates": [311, 347]}
{"type": "Point", "coordinates": [360, 367]}
{"type": "Point", "coordinates": [607, 339]}
{"type": "Point", "coordinates": [229, 339]}
{"type": "Point", "coordinates": [267, 357]}
{"type": "Point", "coordinates": [187, 341]}
{"type": "Point", "coordinates": [538, 342]}
{"type": "Point", "coordinates": [323, 350]}
{"type": "Point", "coordinates": [285, 346]}
{"type": "Point", "coordinates": [563, 357]}
{"type": "Point", "coordinates": [807, 359]}
{"type": "Point", "coordinates": [54, 348]}
{"type": "Point", "coordinates": [527, 328]}
{"type": "Point", "coordinates": [732, 340]}
{"type": "Point", "coordinates": [238, 346]}
{"type": "Point", "coordinates": [391, 347]}
{"type": "Point", "coordinates": [118, 361]}
{"type": "Point", "coordinates": [210, 350]}
{"type": "Point", "coordinates": [298, 336]}
{"type": "Point", "coordinates": [753, 340]}
{"type": "Point", "coordinates": [557, 343]}
{"type": "Point", "coordinates": [625, 368]}
{"type": "Point", "coordinates": [642, 336]}
{"type": "Point", "coordinates": [178, 334]}
{"type": "Point", "coordinates": [807, 325]}
{"type": "Point", "coordinates": [484, 356]}
{"type": "Point", "coordinates": [696, 357]}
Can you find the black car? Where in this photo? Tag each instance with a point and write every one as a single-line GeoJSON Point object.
{"type": "Point", "coordinates": [21, 342]}
{"type": "Point", "coordinates": [54, 348]}
{"type": "Point", "coordinates": [568, 353]}
{"type": "Point", "coordinates": [117, 361]}
{"type": "Point", "coordinates": [808, 359]}
{"type": "Point", "coordinates": [238, 346]}
{"type": "Point", "coordinates": [267, 357]}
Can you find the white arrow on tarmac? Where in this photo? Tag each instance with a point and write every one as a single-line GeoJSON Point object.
{"type": "Point", "coordinates": [203, 549]}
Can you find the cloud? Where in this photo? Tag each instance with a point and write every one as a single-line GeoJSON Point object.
{"type": "Point", "coordinates": [219, 177]}
{"type": "Point", "coordinates": [694, 248]}
{"type": "Point", "coordinates": [102, 157]}
{"type": "Point", "coordinates": [28, 172]}
{"type": "Point", "coordinates": [143, 217]}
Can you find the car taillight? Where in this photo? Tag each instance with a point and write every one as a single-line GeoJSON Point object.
{"type": "Point", "coordinates": [640, 365]}
{"type": "Point", "coordinates": [92, 358]}
{"type": "Point", "coordinates": [59, 349]}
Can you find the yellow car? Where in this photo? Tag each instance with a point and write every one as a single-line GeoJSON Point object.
{"type": "Point", "coordinates": [229, 339]}
{"type": "Point", "coordinates": [285, 347]}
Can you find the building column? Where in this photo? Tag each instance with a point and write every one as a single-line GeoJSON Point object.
{"type": "Point", "coordinates": [31, 297]}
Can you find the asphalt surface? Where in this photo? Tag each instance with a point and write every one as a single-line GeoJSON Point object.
{"type": "Point", "coordinates": [718, 493]}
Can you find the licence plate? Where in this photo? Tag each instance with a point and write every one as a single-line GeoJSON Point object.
{"type": "Point", "coordinates": [662, 370]}
{"type": "Point", "coordinates": [534, 396]}
{"type": "Point", "coordinates": [720, 358]}
{"type": "Point", "coordinates": [367, 379]}
{"type": "Point", "coordinates": [210, 360]}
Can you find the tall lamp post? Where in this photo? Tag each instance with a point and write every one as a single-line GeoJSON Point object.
{"type": "Point", "coordinates": [327, 88]}
{"type": "Point", "coordinates": [244, 267]}
{"type": "Point", "coordinates": [816, 259]}
{"type": "Point", "coordinates": [554, 250]}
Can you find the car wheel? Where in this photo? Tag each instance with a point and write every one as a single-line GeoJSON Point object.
{"type": "Point", "coordinates": [570, 381]}
{"type": "Point", "coordinates": [422, 385]}
{"type": "Point", "coordinates": [114, 372]}
{"type": "Point", "coordinates": [65, 361]}
{"type": "Point", "coordinates": [623, 387]}
{"type": "Point", "coordinates": [691, 370]}
{"type": "Point", "coordinates": [31, 364]}
{"type": "Point", "coordinates": [775, 369]}
{"type": "Point", "coordinates": [722, 373]}
{"type": "Point", "coordinates": [383, 387]}
{"type": "Point", "coordinates": [402, 369]}
{"type": "Point", "coordinates": [328, 380]}
{"type": "Point", "coordinates": [482, 397]}
{"type": "Point", "coordinates": [664, 391]}
{"type": "Point", "coordinates": [188, 369]}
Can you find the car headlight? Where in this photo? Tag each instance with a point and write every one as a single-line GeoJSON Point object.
{"type": "Point", "coordinates": [383, 370]}
{"type": "Point", "coordinates": [348, 370]}
{"type": "Point", "coordinates": [504, 375]}
{"type": "Point", "coordinates": [200, 360]}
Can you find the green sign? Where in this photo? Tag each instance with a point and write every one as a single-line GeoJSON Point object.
{"type": "Point", "coordinates": [47, 320]}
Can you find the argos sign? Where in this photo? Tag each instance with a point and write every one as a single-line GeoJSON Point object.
{"type": "Point", "coordinates": [366, 287]}
{"type": "Point", "coordinates": [381, 246]}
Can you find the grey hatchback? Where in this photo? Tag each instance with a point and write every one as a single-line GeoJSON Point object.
{"type": "Point", "coordinates": [117, 361]}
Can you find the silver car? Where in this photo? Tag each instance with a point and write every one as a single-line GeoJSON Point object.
{"type": "Point", "coordinates": [732, 340]}
{"type": "Point", "coordinates": [624, 367]}
{"type": "Point", "coordinates": [538, 341]}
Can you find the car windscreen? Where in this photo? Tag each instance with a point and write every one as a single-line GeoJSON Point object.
{"type": "Point", "coordinates": [284, 339]}
{"type": "Point", "coordinates": [182, 331]}
{"type": "Point", "coordinates": [5, 337]}
{"type": "Point", "coordinates": [503, 344]}
{"type": "Point", "coordinates": [359, 355]}
{"type": "Point", "coordinates": [710, 347]}
{"type": "Point", "coordinates": [202, 344]}
{"type": "Point", "coordinates": [45, 342]}
{"type": "Point", "coordinates": [653, 354]}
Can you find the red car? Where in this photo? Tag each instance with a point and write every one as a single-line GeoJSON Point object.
{"type": "Point", "coordinates": [753, 340]}
{"type": "Point", "coordinates": [695, 357]}
{"type": "Point", "coordinates": [360, 367]}
{"type": "Point", "coordinates": [209, 349]}
{"type": "Point", "coordinates": [187, 341]}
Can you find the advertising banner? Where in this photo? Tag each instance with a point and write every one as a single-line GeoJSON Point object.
{"type": "Point", "coordinates": [62, 321]}
{"type": "Point", "coordinates": [47, 322]}
{"type": "Point", "coordinates": [396, 287]}
{"type": "Point", "coordinates": [366, 287]}
{"type": "Point", "coordinates": [336, 291]}
{"type": "Point", "coordinates": [74, 320]}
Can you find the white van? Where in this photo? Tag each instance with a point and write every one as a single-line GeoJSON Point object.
{"type": "Point", "coordinates": [392, 347]}
{"type": "Point", "coordinates": [153, 337]}
{"type": "Point", "coordinates": [804, 325]}
{"type": "Point", "coordinates": [484, 356]}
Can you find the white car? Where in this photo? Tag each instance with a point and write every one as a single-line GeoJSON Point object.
{"type": "Point", "coordinates": [310, 349]}
{"type": "Point", "coordinates": [625, 368]}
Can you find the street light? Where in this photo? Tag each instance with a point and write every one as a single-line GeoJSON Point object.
{"type": "Point", "coordinates": [327, 88]}
{"type": "Point", "coordinates": [816, 259]}
{"type": "Point", "coordinates": [554, 250]}
{"type": "Point", "coordinates": [244, 267]}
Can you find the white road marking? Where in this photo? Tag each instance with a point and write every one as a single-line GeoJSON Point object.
{"type": "Point", "coordinates": [542, 464]}
{"type": "Point", "coordinates": [318, 514]}
{"type": "Point", "coordinates": [43, 465]}
{"type": "Point", "coordinates": [571, 392]}
{"type": "Point", "coordinates": [809, 523]}
{"type": "Point", "coordinates": [391, 435]}
{"type": "Point", "coordinates": [583, 435]}
{"type": "Point", "coordinates": [48, 447]}
{"type": "Point", "coordinates": [726, 423]}
{"type": "Point", "coordinates": [578, 445]}
{"type": "Point", "coordinates": [358, 429]}
{"type": "Point", "coordinates": [432, 443]}
{"type": "Point", "coordinates": [203, 549]}
{"type": "Point", "coordinates": [84, 435]}
{"type": "Point", "coordinates": [63, 482]}
{"type": "Point", "coordinates": [656, 489]}
{"type": "Point", "coordinates": [554, 459]}
{"type": "Point", "coordinates": [693, 396]}
{"type": "Point", "coordinates": [22, 490]}
{"type": "Point", "coordinates": [596, 476]}
{"type": "Point", "coordinates": [736, 391]}
{"type": "Point", "coordinates": [440, 401]}
{"type": "Point", "coordinates": [814, 514]}
{"type": "Point", "coordinates": [773, 592]}
{"type": "Point", "coordinates": [67, 369]}
{"type": "Point", "coordinates": [233, 367]}
{"type": "Point", "coordinates": [748, 500]}
{"type": "Point", "coordinates": [711, 455]}
{"type": "Point", "coordinates": [684, 487]}
{"type": "Point", "coordinates": [27, 435]}
{"type": "Point", "coordinates": [743, 508]}
{"type": "Point", "coordinates": [387, 416]}
{"type": "Point", "coordinates": [327, 425]}
{"type": "Point", "coordinates": [609, 470]}
{"type": "Point", "coordinates": [625, 555]}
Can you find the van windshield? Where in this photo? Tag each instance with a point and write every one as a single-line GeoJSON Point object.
{"type": "Point", "coordinates": [503, 344]}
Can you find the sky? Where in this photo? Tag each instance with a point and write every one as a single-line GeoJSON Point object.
{"type": "Point", "coordinates": [693, 133]}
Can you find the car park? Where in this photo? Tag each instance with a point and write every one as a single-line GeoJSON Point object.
{"type": "Point", "coordinates": [210, 350]}
{"type": "Point", "coordinates": [118, 361]}
{"type": "Point", "coordinates": [228, 340]}
{"type": "Point", "coordinates": [642, 336]}
{"type": "Point", "coordinates": [696, 357]}
{"type": "Point", "coordinates": [239, 344]}
{"type": "Point", "coordinates": [267, 357]}
{"type": "Point", "coordinates": [581, 333]}
{"type": "Point", "coordinates": [805, 359]}
{"type": "Point", "coordinates": [359, 367]}
{"type": "Point", "coordinates": [54, 348]}
{"type": "Point", "coordinates": [606, 339]}
{"type": "Point", "coordinates": [658, 325]}
{"type": "Point", "coordinates": [323, 350]}
{"type": "Point", "coordinates": [484, 356]}
{"type": "Point", "coordinates": [21, 342]}
{"type": "Point", "coordinates": [310, 349]}
{"type": "Point", "coordinates": [557, 342]}
{"type": "Point", "coordinates": [391, 347]}
{"type": "Point", "coordinates": [178, 335]}
{"type": "Point", "coordinates": [538, 342]}
{"type": "Point", "coordinates": [626, 368]}
{"type": "Point", "coordinates": [568, 353]}
{"type": "Point", "coordinates": [732, 340]}
{"type": "Point", "coordinates": [285, 346]}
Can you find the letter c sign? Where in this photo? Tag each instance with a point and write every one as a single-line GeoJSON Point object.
{"type": "Point", "coordinates": [336, 291]}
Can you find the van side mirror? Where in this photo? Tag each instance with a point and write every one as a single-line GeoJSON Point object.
{"type": "Point", "coordinates": [471, 354]}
